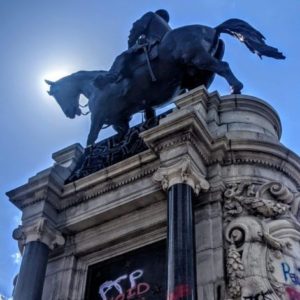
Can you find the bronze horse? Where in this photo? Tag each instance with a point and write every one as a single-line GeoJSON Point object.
{"type": "Point", "coordinates": [185, 58]}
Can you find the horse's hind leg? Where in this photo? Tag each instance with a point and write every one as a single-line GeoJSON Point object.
{"type": "Point", "coordinates": [221, 68]}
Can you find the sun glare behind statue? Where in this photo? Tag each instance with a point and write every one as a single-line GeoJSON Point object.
{"type": "Point", "coordinates": [54, 76]}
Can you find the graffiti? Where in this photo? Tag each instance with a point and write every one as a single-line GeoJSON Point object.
{"type": "Point", "coordinates": [288, 275]}
{"type": "Point", "coordinates": [260, 296]}
{"type": "Point", "coordinates": [136, 289]}
{"type": "Point", "coordinates": [292, 293]}
{"type": "Point", "coordinates": [133, 293]}
{"type": "Point", "coordinates": [108, 285]}
{"type": "Point", "coordinates": [180, 292]}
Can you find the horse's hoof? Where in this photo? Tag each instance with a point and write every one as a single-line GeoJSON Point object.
{"type": "Point", "coordinates": [234, 92]}
{"type": "Point", "coordinates": [151, 122]}
{"type": "Point", "coordinates": [237, 88]}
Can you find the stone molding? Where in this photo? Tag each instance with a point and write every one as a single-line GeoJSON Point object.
{"type": "Point", "coordinates": [182, 171]}
{"type": "Point", "coordinates": [184, 126]}
{"type": "Point", "coordinates": [251, 104]}
{"type": "Point", "coordinates": [197, 96]}
{"type": "Point", "coordinates": [40, 231]}
{"type": "Point", "coordinates": [68, 156]}
{"type": "Point", "coordinates": [45, 186]}
{"type": "Point", "coordinates": [223, 152]}
{"type": "Point", "coordinates": [103, 188]}
{"type": "Point", "coordinates": [256, 152]}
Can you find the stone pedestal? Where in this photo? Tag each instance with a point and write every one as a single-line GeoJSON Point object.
{"type": "Point", "coordinates": [225, 150]}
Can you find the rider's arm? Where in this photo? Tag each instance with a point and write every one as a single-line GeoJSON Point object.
{"type": "Point", "coordinates": [138, 28]}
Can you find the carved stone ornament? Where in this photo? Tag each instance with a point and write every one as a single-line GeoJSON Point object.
{"type": "Point", "coordinates": [235, 271]}
{"type": "Point", "coordinates": [263, 236]}
{"type": "Point", "coordinates": [40, 231]}
{"type": "Point", "coordinates": [268, 201]}
{"type": "Point", "coordinates": [182, 171]}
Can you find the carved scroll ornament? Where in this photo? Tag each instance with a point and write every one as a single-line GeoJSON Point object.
{"type": "Point", "coordinates": [40, 231]}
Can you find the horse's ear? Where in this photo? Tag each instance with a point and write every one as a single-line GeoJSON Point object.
{"type": "Point", "coordinates": [49, 82]}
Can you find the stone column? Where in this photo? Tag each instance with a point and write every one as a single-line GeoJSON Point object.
{"type": "Point", "coordinates": [181, 179]}
{"type": "Point", "coordinates": [35, 242]}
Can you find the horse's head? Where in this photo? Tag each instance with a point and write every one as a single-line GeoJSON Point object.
{"type": "Point", "coordinates": [66, 93]}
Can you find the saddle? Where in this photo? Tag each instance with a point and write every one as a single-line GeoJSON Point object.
{"type": "Point", "coordinates": [142, 54]}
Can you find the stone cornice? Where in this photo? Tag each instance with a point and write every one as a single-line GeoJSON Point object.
{"type": "Point", "coordinates": [110, 172]}
{"type": "Point", "coordinates": [184, 125]}
{"type": "Point", "coordinates": [40, 231]}
{"type": "Point", "coordinates": [264, 153]}
{"type": "Point", "coordinates": [45, 186]}
{"type": "Point", "coordinates": [182, 171]}
{"type": "Point", "coordinates": [194, 97]}
{"type": "Point", "coordinates": [77, 197]}
{"type": "Point", "coordinates": [109, 179]}
{"type": "Point", "coordinates": [261, 152]}
{"type": "Point", "coordinates": [69, 155]}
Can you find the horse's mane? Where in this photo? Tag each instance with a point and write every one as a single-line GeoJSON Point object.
{"type": "Point", "coordinates": [81, 75]}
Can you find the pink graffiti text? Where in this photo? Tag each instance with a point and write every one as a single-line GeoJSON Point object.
{"type": "Point", "coordinates": [133, 293]}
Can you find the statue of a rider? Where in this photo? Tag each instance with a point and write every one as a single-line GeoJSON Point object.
{"type": "Point", "coordinates": [144, 34]}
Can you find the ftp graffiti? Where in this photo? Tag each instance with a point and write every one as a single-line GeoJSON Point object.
{"type": "Point", "coordinates": [136, 289]}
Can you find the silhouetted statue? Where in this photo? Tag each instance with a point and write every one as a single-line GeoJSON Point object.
{"type": "Point", "coordinates": [145, 33]}
{"type": "Point", "coordinates": [159, 64]}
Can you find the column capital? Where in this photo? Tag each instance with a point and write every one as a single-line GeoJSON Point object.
{"type": "Point", "coordinates": [40, 231]}
{"type": "Point", "coordinates": [182, 171]}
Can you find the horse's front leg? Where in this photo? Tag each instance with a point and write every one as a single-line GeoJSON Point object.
{"type": "Point", "coordinates": [121, 127]}
{"type": "Point", "coordinates": [221, 68]}
{"type": "Point", "coordinates": [150, 117]}
{"type": "Point", "coordinates": [96, 125]}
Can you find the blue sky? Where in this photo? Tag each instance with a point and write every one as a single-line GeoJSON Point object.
{"type": "Point", "coordinates": [42, 39]}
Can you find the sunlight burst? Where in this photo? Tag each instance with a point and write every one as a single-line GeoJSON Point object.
{"type": "Point", "coordinates": [56, 74]}
{"type": "Point", "coordinates": [53, 75]}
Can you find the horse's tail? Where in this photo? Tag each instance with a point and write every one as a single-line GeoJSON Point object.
{"type": "Point", "coordinates": [252, 38]}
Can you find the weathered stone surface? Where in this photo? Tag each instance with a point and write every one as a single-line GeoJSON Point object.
{"type": "Point", "coordinates": [246, 223]}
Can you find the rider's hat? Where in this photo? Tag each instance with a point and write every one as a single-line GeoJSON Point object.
{"type": "Point", "coordinates": [163, 14]}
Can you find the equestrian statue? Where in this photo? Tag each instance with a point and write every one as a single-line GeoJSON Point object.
{"type": "Point", "coordinates": [159, 64]}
